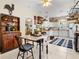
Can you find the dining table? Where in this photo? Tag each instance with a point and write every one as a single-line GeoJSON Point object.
{"type": "Point", "coordinates": [38, 39]}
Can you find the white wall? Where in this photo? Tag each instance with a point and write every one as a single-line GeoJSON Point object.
{"type": "Point", "coordinates": [23, 9]}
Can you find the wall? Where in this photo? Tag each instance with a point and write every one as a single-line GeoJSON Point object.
{"type": "Point", "coordinates": [23, 9]}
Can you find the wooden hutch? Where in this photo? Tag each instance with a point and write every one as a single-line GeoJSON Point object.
{"type": "Point", "coordinates": [9, 28]}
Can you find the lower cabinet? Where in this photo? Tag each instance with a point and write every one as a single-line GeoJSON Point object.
{"type": "Point", "coordinates": [8, 41]}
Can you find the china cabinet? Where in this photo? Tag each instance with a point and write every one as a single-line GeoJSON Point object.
{"type": "Point", "coordinates": [9, 28]}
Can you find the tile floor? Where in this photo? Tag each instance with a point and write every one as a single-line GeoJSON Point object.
{"type": "Point", "coordinates": [55, 52]}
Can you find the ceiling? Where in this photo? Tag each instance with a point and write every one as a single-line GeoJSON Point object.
{"type": "Point", "coordinates": [56, 9]}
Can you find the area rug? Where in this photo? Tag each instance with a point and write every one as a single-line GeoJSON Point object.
{"type": "Point", "coordinates": [62, 42]}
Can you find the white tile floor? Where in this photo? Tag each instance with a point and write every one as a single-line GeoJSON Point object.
{"type": "Point", "coordinates": [55, 52]}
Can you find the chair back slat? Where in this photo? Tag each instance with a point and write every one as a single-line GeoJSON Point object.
{"type": "Point", "coordinates": [19, 41]}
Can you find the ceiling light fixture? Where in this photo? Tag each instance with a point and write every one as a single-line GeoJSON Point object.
{"type": "Point", "coordinates": [46, 2]}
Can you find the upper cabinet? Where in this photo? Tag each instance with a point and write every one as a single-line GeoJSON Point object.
{"type": "Point", "coordinates": [9, 23]}
{"type": "Point", "coordinates": [38, 20]}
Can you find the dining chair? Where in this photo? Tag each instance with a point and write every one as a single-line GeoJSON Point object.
{"type": "Point", "coordinates": [41, 45]}
{"type": "Point", "coordinates": [24, 47]}
{"type": "Point", "coordinates": [51, 37]}
{"type": "Point", "coordinates": [43, 33]}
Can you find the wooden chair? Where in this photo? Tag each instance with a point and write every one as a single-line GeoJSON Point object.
{"type": "Point", "coordinates": [24, 47]}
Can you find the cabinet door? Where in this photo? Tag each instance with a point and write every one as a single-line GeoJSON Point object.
{"type": "Point", "coordinates": [7, 42]}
